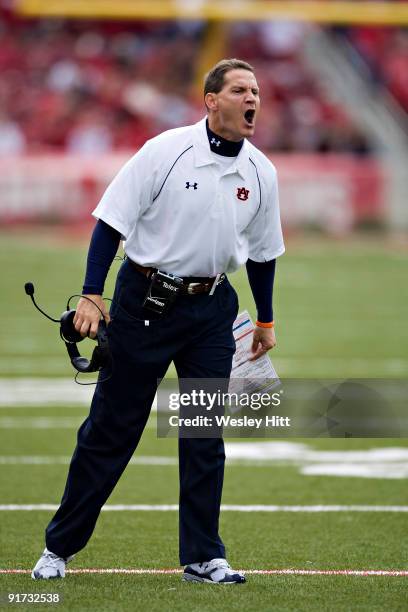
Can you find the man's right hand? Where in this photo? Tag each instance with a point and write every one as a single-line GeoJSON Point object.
{"type": "Point", "coordinates": [87, 315]}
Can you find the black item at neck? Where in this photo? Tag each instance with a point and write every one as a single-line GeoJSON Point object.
{"type": "Point", "coordinates": [221, 146]}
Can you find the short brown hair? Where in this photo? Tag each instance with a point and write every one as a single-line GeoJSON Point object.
{"type": "Point", "coordinates": [214, 80]}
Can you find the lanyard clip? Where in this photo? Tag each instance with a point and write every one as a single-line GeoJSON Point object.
{"type": "Point", "coordinates": [215, 283]}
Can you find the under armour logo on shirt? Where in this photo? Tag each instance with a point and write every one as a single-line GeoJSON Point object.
{"type": "Point", "coordinates": [216, 142]}
{"type": "Point", "coordinates": [188, 185]}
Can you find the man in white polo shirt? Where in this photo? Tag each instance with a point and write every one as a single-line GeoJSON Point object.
{"type": "Point", "coordinates": [193, 204]}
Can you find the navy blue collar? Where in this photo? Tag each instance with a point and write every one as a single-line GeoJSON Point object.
{"type": "Point", "coordinates": [221, 146]}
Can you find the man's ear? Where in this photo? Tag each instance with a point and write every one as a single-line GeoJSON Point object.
{"type": "Point", "coordinates": [211, 101]}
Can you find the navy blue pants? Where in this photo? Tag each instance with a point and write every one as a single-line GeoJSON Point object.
{"type": "Point", "coordinates": [197, 335]}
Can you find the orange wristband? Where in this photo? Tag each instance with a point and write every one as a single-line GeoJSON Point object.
{"type": "Point", "coordinates": [265, 325]}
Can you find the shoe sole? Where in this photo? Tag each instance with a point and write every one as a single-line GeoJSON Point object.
{"type": "Point", "coordinates": [192, 578]}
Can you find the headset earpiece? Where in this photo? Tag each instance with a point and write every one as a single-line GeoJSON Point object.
{"type": "Point", "coordinates": [80, 363]}
{"type": "Point", "coordinates": [68, 331]}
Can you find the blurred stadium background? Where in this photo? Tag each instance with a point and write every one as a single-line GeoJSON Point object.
{"type": "Point", "coordinates": [82, 86]}
{"type": "Point", "coordinates": [334, 100]}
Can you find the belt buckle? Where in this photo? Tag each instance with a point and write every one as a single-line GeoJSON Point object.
{"type": "Point", "coordinates": [190, 287]}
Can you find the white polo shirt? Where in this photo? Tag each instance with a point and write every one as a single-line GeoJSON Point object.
{"type": "Point", "coordinates": [181, 211]}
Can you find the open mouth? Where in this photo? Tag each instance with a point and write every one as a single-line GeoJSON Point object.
{"type": "Point", "coordinates": [249, 116]}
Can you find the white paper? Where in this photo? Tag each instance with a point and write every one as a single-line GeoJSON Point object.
{"type": "Point", "coordinates": [249, 376]}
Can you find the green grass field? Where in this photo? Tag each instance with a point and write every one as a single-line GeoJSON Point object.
{"type": "Point", "coordinates": [341, 311]}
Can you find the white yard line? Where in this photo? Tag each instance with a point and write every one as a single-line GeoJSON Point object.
{"type": "Point", "coordinates": [40, 392]}
{"type": "Point", "coordinates": [385, 463]}
{"type": "Point", "coordinates": [40, 422]}
{"type": "Point", "coordinates": [66, 460]}
{"type": "Point", "coordinates": [34, 392]}
{"type": "Point", "coordinates": [46, 422]}
{"type": "Point", "coordinates": [267, 572]}
{"type": "Point", "coordinates": [224, 508]}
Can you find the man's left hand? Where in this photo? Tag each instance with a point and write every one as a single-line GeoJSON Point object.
{"type": "Point", "coordinates": [264, 339]}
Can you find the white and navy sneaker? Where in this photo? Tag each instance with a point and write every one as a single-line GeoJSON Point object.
{"type": "Point", "coordinates": [50, 566]}
{"type": "Point", "coordinates": [217, 571]}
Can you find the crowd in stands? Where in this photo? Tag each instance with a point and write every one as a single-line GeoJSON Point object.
{"type": "Point", "coordinates": [385, 54]}
{"type": "Point", "coordinates": [94, 87]}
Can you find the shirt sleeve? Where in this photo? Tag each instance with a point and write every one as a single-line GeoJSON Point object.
{"type": "Point", "coordinates": [264, 233]}
{"type": "Point", "coordinates": [261, 277]}
{"type": "Point", "coordinates": [128, 194]}
{"type": "Point", "coordinates": [102, 249]}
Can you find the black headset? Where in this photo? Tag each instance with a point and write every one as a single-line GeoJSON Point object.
{"type": "Point", "coordinates": [101, 355]}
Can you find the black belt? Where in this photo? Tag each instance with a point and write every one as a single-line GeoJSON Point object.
{"type": "Point", "coordinates": [191, 284]}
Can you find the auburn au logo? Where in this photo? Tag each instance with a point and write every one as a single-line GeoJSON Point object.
{"type": "Point", "coordinates": [242, 193]}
